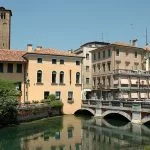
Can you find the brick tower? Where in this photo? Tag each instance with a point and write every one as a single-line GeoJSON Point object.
{"type": "Point", "coordinates": [5, 27]}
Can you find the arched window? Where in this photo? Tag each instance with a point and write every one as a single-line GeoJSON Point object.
{"type": "Point", "coordinates": [61, 77]}
{"type": "Point", "coordinates": [54, 77]}
{"type": "Point", "coordinates": [39, 76]}
{"type": "Point", "coordinates": [77, 78]}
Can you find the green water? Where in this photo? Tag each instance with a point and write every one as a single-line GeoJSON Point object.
{"type": "Point", "coordinates": [75, 133]}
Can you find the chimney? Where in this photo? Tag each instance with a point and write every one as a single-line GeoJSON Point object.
{"type": "Point", "coordinates": [29, 47]}
{"type": "Point", "coordinates": [134, 42]}
{"type": "Point", "coordinates": [38, 48]}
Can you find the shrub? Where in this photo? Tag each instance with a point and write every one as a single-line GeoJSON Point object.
{"type": "Point", "coordinates": [8, 102]}
{"type": "Point", "coordinates": [56, 103]}
{"type": "Point", "coordinates": [51, 97]}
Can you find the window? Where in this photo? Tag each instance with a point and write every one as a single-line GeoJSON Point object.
{"type": "Point", "coordinates": [98, 67]}
{"type": "Point", "coordinates": [19, 68]}
{"type": "Point", "coordinates": [108, 66]}
{"type": "Point", "coordinates": [99, 55]}
{"type": "Point", "coordinates": [39, 76]}
{"type": "Point", "coordinates": [103, 54]}
{"type": "Point", "coordinates": [18, 86]}
{"type": "Point", "coordinates": [39, 60]}
{"type": "Point", "coordinates": [87, 56]}
{"type": "Point", "coordinates": [77, 78]}
{"type": "Point", "coordinates": [1, 67]}
{"type": "Point", "coordinates": [61, 77]}
{"type": "Point", "coordinates": [54, 61]}
{"type": "Point", "coordinates": [117, 52]}
{"type": "Point", "coordinates": [61, 61]}
{"type": "Point", "coordinates": [94, 56]}
{"type": "Point", "coordinates": [57, 95]}
{"type": "Point", "coordinates": [77, 62]}
{"type": "Point", "coordinates": [10, 68]}
{"type": "Point", "coordinates": [57, 135]}
{"type": "Point", "coordinates": [87, 80]}
{"type": "Point", "coordinates": [70, 95]}
{"type": "Point", "coordinates": [54, 77]}
{"type": "Point", "coordinates": [46, 94]}
{"type": "Point", "coordinates": [104, 67]}
{"type": "Point", "coordinates": [126, 53]}
{"type": "Point", "coordinates": [109, 53]}
{"type": "Point", "coordinates": [87, 68]}
{"type": "Point", "coordinates": [94, 68]}
{"type": "Point", "coordinates": [70, 132]}
{"type": "Point", "coordinates": [135, 54]}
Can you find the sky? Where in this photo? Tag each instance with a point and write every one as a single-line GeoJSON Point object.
{"type": "Point", "coordinates": [67, 24]}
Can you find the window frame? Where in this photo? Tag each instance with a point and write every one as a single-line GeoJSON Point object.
{"type": "Point", "coordinates": [1, 67]}
{"type": "Point", "coordinates": [39, 76]}
{"type": "Point", "coordinates": [19, 70]}
{"type": "Point", "coordinates": [59, 95]}
{"type": "Point", "coordinates": [54, 61]}
{"type": "Point", "coordinates": [54, 80]}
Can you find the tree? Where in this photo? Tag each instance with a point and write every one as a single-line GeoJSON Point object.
{"type": "Point", "coordinates": [8, 102]}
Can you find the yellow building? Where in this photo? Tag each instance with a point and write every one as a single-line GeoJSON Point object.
{"type": "Point", "coordinates": [43, 72]}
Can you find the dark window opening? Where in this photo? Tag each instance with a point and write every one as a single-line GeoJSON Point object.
{"type": "Point", "coordinates": [10, 68]}
{"type": "Point", "coordinates": [19, 68]}
{"type": "Point", "coordinates": [39, 76]}
{"type": "Point", "coordinates": [77, 62]}
{"type": "Point", "coordinates": [1, 67]}
{"type": "Point", "coordinates": [46, 94]}
{"type": "Point", "coordinates": [61, 61]}
{"type": "Point", "coordinates": [54, 77]}
{"type": "Point", "coordinates": [61, 77]}
{"type": "Point", "coordinates": [39, 60]}
{"type": "Point", "coordinates": [54, 61]}
{"type": "Point", "coordinates": [77, 78]}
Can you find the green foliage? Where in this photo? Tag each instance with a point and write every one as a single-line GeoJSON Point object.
{"type": "Point", "coordinates": [51, 97]}
{"type": "Point", "coordinates": [8, 102]}
{"type": "Point", "coordinates": [56, 103]}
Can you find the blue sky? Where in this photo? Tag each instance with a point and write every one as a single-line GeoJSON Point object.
{"type": "Point", "coordinates": [67, 24]}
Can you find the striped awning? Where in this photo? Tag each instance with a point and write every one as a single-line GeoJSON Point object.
{"type": "Point", "coordinates": [134, 95]}
{"type": "Point", "coordinates": [124, 81]}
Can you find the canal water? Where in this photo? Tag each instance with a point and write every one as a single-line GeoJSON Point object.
{"type": "Point", "coordinates": [75, 133]}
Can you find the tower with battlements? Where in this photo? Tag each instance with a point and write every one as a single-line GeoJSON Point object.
{"type": "Point", "coordinates": [5, 28]}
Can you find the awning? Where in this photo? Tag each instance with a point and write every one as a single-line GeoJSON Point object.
{"type": "Point", "coordinates": [124, 81]}
{"type": "Point", "coordinates": [134, 81]}
{"type": "Point", "coordinates": [125, 96]}
{"type": "Point", "coordinates": [143, 95]}
{"type": "Point", "coordinates": [134, 95]}
{"type": "Point", "coordinates": [143, 82]}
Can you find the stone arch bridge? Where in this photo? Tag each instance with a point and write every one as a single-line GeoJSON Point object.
{"type": "Point", "coordinates": [135, 111]}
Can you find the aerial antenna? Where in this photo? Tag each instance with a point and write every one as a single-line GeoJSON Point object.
{"type": "Point", "coordinates": [146, 38]}
{"type": "Point", "coordinates": [102, 37]}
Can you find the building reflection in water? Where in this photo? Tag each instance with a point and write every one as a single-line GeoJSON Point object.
{"type": "Point", "coordinates": [68, 138]}
{"type": "Point", "coordinates": [99, 134]}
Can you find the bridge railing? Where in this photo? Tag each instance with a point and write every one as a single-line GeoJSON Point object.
{"type": "Point", "coordinates": [117, 104]}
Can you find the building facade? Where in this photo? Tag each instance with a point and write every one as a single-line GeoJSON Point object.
{"type": "Point", "coordinates": [84, 51]}
{"type": "Point", "coordinates": [5, 28]}
{"type": "Point", "coordinates": [118, 72]}
{"type": "Point", "coordinates": [43, 72]}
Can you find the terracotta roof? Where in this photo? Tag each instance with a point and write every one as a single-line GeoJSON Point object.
{"type": "Point", "coordinates": [12, 55]}
{"type": "Point", "coordinates": [53, 52]}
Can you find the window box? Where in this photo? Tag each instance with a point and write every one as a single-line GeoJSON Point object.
{"type": "Point", "coordinates": [70, 101]}
{"type": "Point", "coordinates": [78, 84]}
{"type": "Point", "coordinates": [62, 84]}
{"type": "Point", "coordinates": [40, 83]}
{"type": "Point", "coordinates": [54, 84]}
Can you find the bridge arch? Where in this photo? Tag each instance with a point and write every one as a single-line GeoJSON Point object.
{"type": "Point", "coordinates": [117, 112]}
{"type": "Point", "coordinates": [146, 119]}
{"type": "Point", "coordinates": [86, 109]}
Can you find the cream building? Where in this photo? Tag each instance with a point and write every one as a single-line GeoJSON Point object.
{"type": "Point", "coordinates": [84, 51]}
{"type": "Point", "coordinates": [118, 72]}
{"type": "Point", "coordinates": [44, 72]}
